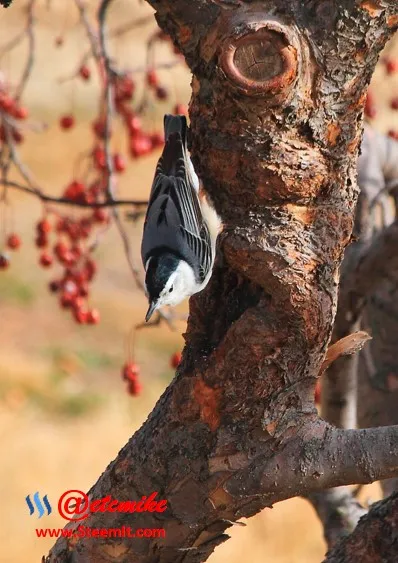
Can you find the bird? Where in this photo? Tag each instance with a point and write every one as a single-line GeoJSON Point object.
{"type": "Point", "coordinates": [180, 229]}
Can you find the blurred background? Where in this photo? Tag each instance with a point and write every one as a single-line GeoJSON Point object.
{"type": "Point", "coordinates": [64, 409]}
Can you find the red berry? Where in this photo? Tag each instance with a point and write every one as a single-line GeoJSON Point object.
{"type": "Point", "coordinates": [13, 241]}
{"type": "Point", "coordinates": [99, 126]}
{"type": "Point", "coordinates": [46, 260]}
{"type": "Point", "coordinates": [84, 72]}
{"type": "Point", "coordinates": [93, 317]}
{"type": "Point", "coordinates": [66, 300]}
{"type": "Point", "coordinates": [161, 93]}
{"type": "Point", "coordinates": [100, 215]}
{"type": "Point", "coordinates": [134, 388]}
{"type": "Point", "coordinates": [180, 109]}
{"type": "Point", "coordinates": [175, 360]}
{"type": "Point", "coordinates": [130, 371]}
{"type": "Point", "coordinates": [80, 315]}
{"type": "Point", "coordinates": [4, 262]}
{"type": "Point", "coordinates": [157, 139]}
{"type": "Point", "coordinates": [60, 249]}
{"type": "Point", "coordinates": [67, 121]}
{"type": "Point", "coordinates": [99, 157]}
{"type": "Point", "coordinates": [43, 226]}
{"type": "Point", "coordinates": [20, 112]}
{"type": "Point", "coordinates": [393, 133]}
{"type": "Point", "coordinates": [391, 65]}
{"type": "Point", "coordinates": [6, 103]}
{"type": "Point", "coordinates": [394, 103]}
{"type": "Point", "coordinates": [41, 240]}
{"type": "Point", "coordinates": [75, 191]}
{"type": "Point", "coordinates": [152, 78]}
{"type": "Point", "coordinates": [134, 125]}
{"type": "Point", "coordinates": [70, 286]}
{"type": "Point", "coordinates": [128, 87]}
{"type": "Point", "coordinates": [124, 89]}
{"type": "Point", "coordinates": [139, 146]}
{"type": "Point", "coordinates": [119, 162]}
{"type": "Point", "coordinates": [77, 252]}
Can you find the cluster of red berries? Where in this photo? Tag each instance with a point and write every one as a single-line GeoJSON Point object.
{"type": "Point", "coordinates": [71, 252]}
{"type": "Point", "coordinates": [391, 67]}
{"type": "Point", "coordinates": [15, 112]}
{"type": "Point", "coordinates": [139, 141]}
{"type": "Point", "coordinates": [130, 374]}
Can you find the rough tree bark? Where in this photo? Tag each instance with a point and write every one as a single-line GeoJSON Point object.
{"type": "Point", "coordinates": [375, 538]}
{"type": "Point", "coordinates": [278, 94]}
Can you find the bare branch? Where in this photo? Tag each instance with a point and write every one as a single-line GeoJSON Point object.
{"type": "Point", "coordinates": [338, 511]}
{"type": "Point", "coordinates": [346, 346]}
{"type": "Point", "coordinates": [65, 201]}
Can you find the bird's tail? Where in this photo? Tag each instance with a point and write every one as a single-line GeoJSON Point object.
{"type": "Point", "coordinates": [175, 124]}
{"type": "Point", "coordinates": [174, 159]}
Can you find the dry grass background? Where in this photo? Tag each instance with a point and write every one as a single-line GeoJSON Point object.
{"type": "Point", "coordinates": [64, 413]}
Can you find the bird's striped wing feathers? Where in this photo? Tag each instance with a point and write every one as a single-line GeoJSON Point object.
{"type": "Point", "coordinates": [174, 205]}
{"type": "Point", "coordinates": [174, 217]}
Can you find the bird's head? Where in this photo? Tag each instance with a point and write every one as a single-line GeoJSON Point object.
{"type": "Point", "coordinates": [168, 281]}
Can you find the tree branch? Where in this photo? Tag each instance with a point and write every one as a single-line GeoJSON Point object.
{"type": "Point", "coordinates": [65, 201]}
{"type": "Point", "coordinates": [338, 511]}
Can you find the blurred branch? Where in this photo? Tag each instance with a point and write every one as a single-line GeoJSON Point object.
{"type": "Point", "coordinates": [65, 201]}
{"type": "Point", "coordinates": [366, 264]}
{"type": "Point", "coordinates": [338, 511]}
{"type": "Point", "coordinates": [31, 50]}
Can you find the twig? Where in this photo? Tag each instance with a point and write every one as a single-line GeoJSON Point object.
{"type": "Point", "coordinates": [31, 50]}
{"type": "Point", "coordinates": [65, 201]}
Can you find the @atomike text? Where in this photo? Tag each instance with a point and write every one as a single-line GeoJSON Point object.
{"type": "Point", "coordinates": [76, 505]}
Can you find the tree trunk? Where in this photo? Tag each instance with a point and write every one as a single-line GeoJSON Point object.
{"type": "Point", "coordinates": [276, 110]}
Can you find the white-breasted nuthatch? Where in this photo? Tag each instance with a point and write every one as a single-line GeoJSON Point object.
{"type": "Point", "coordinates": [178, 243]}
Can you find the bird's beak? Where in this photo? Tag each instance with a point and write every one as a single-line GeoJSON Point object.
{"type": "Point", "coordinates": [151, 310]}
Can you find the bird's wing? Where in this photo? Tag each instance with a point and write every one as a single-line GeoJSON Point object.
{"type": "Point", "coordinates": [174, 220]}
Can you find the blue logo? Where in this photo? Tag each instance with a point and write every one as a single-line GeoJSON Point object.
{"type": "Point", "coordinates": [38, 505]}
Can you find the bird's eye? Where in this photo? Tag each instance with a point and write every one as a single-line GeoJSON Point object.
{"type": "Point", "coordinates": [171, 289]}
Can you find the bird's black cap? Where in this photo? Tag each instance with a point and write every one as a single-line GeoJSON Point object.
{"type": "Point", "coordinates": [159, 270]}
